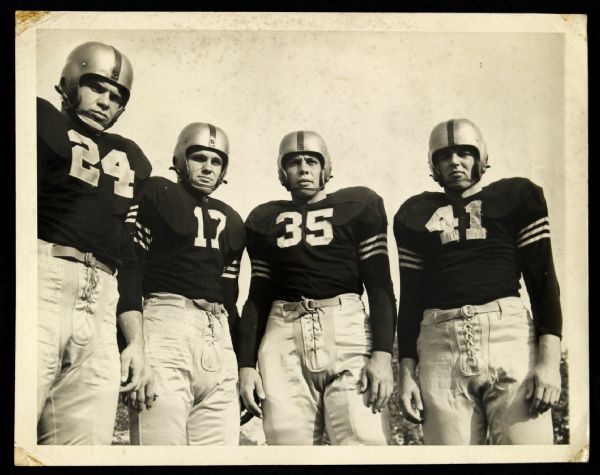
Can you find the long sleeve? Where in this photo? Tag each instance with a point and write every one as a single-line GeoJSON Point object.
{"type": "Point", "coordinates": [374, 267]}
{"type": "Point", "coordinates": [130, 277]}
{"type": "Point", "coordinates": [229, 284]}
{"type": "Point", "coordinates": [258, 305]}
{"type": "Point", "coordinates": [537, 266]}
{"type": "Point", "coordinates": [410, 312]}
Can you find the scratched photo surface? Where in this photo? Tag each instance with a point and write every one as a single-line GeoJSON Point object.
{"type": "Point", "coordinates": [372, 86]}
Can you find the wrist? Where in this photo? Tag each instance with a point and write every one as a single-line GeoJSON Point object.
{"type": "Point", "coordinates": [381, 356]}
{"type": "Point", "coordinates": [408, 367]}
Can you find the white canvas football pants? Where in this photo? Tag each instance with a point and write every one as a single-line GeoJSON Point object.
{"type": "Point", "coordinates": [472, 373]}
{"type": "Point", "coordinates": [195, 376]}
{"type": "Point", "coordinates": [310, 365]}
{"type": "Point", "coordinates": [78, 359]}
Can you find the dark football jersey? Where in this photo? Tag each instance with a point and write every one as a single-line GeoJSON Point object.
{"type": "Point", "coordinates": [318, 250]}
{"type": "Point", "coordinates": [189, 244]}
{"type": "Point", "coordinates": [474, 250]}
{"type": "Point", "coordinates": [86, 184]}
{"type": "Point", "coordinates": [314, 250]}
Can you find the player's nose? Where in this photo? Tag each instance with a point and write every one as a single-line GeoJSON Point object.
{"type": "Point", "coordinates": [103, 99]}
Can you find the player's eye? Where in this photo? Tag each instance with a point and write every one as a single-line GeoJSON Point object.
{"type": "Point", "coordinates": [116, 98]}
{"type": "Point", "coordinates": [217, 162]}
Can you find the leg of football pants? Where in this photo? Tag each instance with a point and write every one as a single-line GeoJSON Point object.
{"type": "Point", "coordinates": [513, 352]}
{"type": "Point", "coordinates": [169, 351]}
{"type": "Point", "coordinates": [347, 419]}
{"type": "Point", "coordinates": [452, 415]}
{"type": "Point", "coordinates": [292, 410]}
{"type": "Point", "coordinates": [215, 418]}
{"type": "Point", "coordinates": [166, 422]}
{"type": "Point", "coordinates": [50, 316]}
{"type": "Point", "coordinates": [82, 402]}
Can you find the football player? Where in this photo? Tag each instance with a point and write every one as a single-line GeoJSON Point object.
{"type": "Point", "coordinates": [324, 364]}
{"type": "Point", "coordinates": [189, 246]}
{"type": "Point", "coordinates": [487, 369]}
{"type": "Point", "coordinates": [88, 182]}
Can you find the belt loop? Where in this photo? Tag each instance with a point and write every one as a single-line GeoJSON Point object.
{"type": "Point", "coordinates": [435, 313]}
{"type": "Point", "coordinates": [499, 309]}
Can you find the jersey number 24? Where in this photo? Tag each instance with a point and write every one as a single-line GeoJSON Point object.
{"type": "Point", "coordinates": [84, 160]}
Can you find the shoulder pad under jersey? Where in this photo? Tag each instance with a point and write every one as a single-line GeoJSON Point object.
{"type": "Point", "coordinates": [265, 211]}
{"type": "Point", "coordinates": [350, 203]}
{"type": "Point", "coordinates": [52, 127]}
{"type": "Point", "coordinates": [168, 200]}
{"type": "Point", "coordinates": [417, 210]}
{"type": "Point", "coordinates": [503, 196]}
{"type": "Point", "coordinates": [357, 194]}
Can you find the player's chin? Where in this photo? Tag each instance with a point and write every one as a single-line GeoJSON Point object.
{"type": "Point", "coordinates": [459, 184]}
{"type": "Point", "coordinates": [305, 192]}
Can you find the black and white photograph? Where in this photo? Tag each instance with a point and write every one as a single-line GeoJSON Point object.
{"type": "Point", "coordinates": [276, 230]}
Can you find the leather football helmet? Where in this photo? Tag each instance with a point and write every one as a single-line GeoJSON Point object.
{"type": "Point", "coordinates": [304, 141]}
{"type": "Point", "coordinates": [453, 133]}
{"type": "Point", "coordinates": [98, 59]}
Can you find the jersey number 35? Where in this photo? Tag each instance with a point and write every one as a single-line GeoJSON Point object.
{"type": "Point", "coordinates": [318, 230]}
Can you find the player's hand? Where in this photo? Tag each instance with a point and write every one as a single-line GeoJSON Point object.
{"type": "Point", "coordinates": [132, 366]}
{"type": "Point", "coordinates": [543, 383]}
{"type": "Point", "coordinates": [145, 395]}
{"type": "Point", "coordinates": [378, 379]}
{"type": "Point", "coordinates": [251, 388]}
{"type": "Point", "coordinates": [410, 393]}
{"type": "Point", "coordinates": [543, 387]}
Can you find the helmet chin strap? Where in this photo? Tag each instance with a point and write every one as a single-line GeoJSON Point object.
{"type": "Point", "coordinates": [91, 123]}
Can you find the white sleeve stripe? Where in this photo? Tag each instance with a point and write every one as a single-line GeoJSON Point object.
{"type": "Point", "coordinates": [235, 263]}
{"type": "Point", "coordinates": [362, 250]}
{"type": "Point", "coordinates": [261, 268]}
{"type": "Point", "coordinates": [403, 250]}
{"type": "Point", "coordinates": [140, 243]}
{"type": "Point", "coordinates": [260, 274]}
{"type": "Point", "coordinates": [229, 276]}
{"type": "Point", "coordinates": [534, 239]}
{"type": "Point", "coordinates": [144, 237]}
{"type": "Point", "coordinates": [133, 208]}
{"type": "Point", "coordinates": [130, 220]}
{"type": "Point", "coordinates": [533, 232]}
{"type": "Point", "coordinates": [256, 261]}
{"type": "Point", "coordinates": [411, 266]}
{"type": "Point", "coordinates": [144, 228]}
{"type": "Point", "coordinates": [372, 253]}
{"type": "Point", "coordinates": [132, 214]}
{"type": "Point", "coordinates": [405, 258]}
{"type": "Point", "coordinates": [232, 268]}
{"type": "Point", "coordinates": [534, 224]}
{"type": "Point", "coordinates": [373, 238]}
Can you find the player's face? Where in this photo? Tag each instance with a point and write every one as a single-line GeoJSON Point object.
{"type": "Point", "coordinates": [456, 167]}
{"type": "Point", "coordinates": [205, 168]}
{"type": "Point", "coordinates": [99, 100]}
{"type": "Point", "coordinates": [304, 174]}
